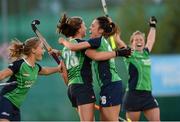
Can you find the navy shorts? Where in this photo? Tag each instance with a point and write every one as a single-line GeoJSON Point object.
{"type": "Point", "coordinates": [139, 101]}
{"type": "Point", "coordinates": [8, 110]}
{"type": "Point", "coordinates": [111, 94]}
{"type": "Point", "coordinates": [80, 94]}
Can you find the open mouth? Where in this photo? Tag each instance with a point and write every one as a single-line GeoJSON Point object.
{"type": "Point", "coordinates": [139, 45]}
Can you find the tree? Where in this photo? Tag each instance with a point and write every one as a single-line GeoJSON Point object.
{"type": "Point", "coordinates": [134, 15]}
{"type": "Point", "coordinates": [171, 24]}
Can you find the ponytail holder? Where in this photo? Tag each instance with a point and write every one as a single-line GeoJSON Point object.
{"type": "Point", "coordinates": [110, 25]}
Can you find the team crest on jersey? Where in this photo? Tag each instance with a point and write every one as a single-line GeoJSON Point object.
{"type": "Point", "coordinates": [103, 100]}
{"type": "Point", "coordinates": [92, 96]}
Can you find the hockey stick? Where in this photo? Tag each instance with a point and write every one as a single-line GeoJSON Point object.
{"type": "Point", "coordinates": [47, 46]}
{"type": "Point", "coordinates": [7, 84]}
{"type": "Point", "coordinates": [104, 5]}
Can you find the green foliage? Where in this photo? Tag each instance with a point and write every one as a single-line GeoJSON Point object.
{"type": "Point", "coordinates": [134, 15]}
{"type": "Point", "coordinates": [172, 25]}
{"type": "Point", "coordinates": [131, 18]}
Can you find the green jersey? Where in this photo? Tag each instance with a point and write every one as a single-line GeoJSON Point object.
{"type": "Point", "coordinates": [78, 65]}
{"type": "Point", "coordinates": [25, 76]}
{"type": "Point", "coordinates": [139, 66]}
{"type": "Point", "coordinates": [105, 71]}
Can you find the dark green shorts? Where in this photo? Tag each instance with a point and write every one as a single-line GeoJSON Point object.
{"type": "Point", "coordinates": [8, 110]}
{"type": "Point", "coordinates": [139, 101]}
{"type": "Point", "coordinates": [111, 94]}
{"type": "Point", "coordinates": [80, 94]}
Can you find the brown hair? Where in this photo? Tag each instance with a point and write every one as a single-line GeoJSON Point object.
{"type": "Point", "coordinates": [136, 33]}
{"type": "Point", "coordinates": [69, 26]}
{"type": "Point", "coordinates": [18, 49]}
{"type": "Point", "coordinates": [109, 27]}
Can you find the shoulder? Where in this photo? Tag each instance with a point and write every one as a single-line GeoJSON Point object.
{"type": "Point", "coordinates": [15, 66]}
{"type": "Point", "coordinates": [20, 61]}
{"type": "Point", "coordinates": [95, 42]}
{"type": "Point", "coordinates": [95, 39]}
{"type": "Point", "coordinates": [80, 40]}
{"type": "Point", "coordinates": [39, 66]}
{"type": "Point", "coordinates": [146, 51]}
{"type": "Point", "coordinates": [16, 63]}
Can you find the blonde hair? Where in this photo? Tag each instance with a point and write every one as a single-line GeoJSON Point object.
{"type": "Point", "coordinates": [17, 49]}
{"type": "Point", "coordinates": [136, 33]}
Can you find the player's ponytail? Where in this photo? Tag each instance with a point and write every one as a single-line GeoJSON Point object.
{"type": "Point", "coordinates": [17, 49]}
{"type": "Point", "coordinates": [62, 26]}
{"type": "Point", "coordinates": [109, 27]}
{"type": "Point", "coordinates": [69, 26]}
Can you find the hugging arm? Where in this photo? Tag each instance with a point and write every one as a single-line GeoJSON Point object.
{"type": "Point", "coordinates": [74, 47]}
{"type": "Point", "coordinates": [100, 56]}
{"type": "Point", "coordinates": [106, 55]}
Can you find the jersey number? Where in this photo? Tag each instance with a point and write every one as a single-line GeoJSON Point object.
{"type": "Point", "coordinates": [71, 59]}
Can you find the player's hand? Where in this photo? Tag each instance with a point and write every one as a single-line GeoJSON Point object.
{"type": "Point", "coordinates": [153, 22]}
{"type": "Point", "coordinates": [55, 51]}
{"type": "Point", "coordinates": [60, 67]}
{"type": "Point", "coordinates": [125, 52]}
{"type": "Point", "coordinates": [61, 40]}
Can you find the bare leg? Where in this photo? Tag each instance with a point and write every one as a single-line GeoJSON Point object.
{"type": "Point", "coordinates": [4, 120]}
{"type": "Point", "coordinates": [133, 116]}
{"type": "Point", "coordinates": [86, 112]}
{"type": "Point", "coordinates": [110, 113]}
{"type": "Point", "coordinates": [152, 114]}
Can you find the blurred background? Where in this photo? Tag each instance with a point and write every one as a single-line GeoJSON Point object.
{"type": "Point", "coordinates": [48, 100]}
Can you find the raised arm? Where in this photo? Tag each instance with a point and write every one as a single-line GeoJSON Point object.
{"type": "Point", "coordinates": [119, 41]}
{"type": "Point", "coordinates": [5, 73]}
{"type": "Point", "coordinates": [152, 34]}
{"type": "Point", "coordinates": [74, 47]}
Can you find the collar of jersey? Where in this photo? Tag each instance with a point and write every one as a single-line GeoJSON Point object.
{"type": "Point", "coordinates": [27, 62]}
